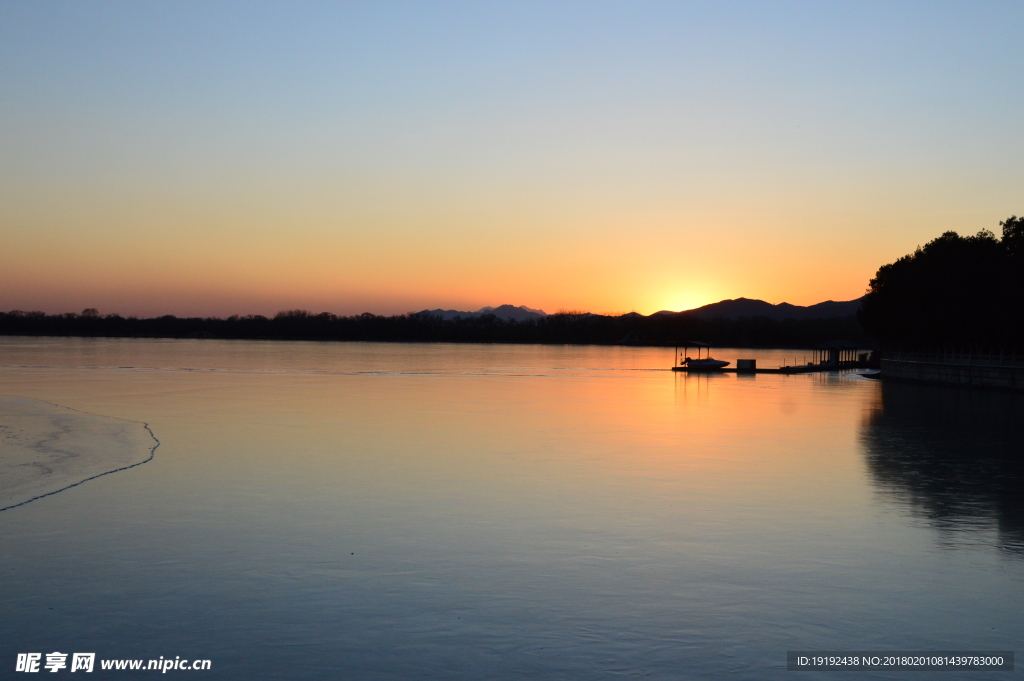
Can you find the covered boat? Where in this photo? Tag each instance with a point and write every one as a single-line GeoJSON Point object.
{"type": "Point", "coordinates": [706, 363]}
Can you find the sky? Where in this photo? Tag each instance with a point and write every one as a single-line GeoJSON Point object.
{"type": "Point", "coordinates": [226, 158]}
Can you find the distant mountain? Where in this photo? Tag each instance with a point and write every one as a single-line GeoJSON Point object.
{"type": "Point", "coordinates": [745, 307]}
{"type": "Point", "coordinates": [507, 312]}
{"type": "Point", "coordinates": [725, 309]}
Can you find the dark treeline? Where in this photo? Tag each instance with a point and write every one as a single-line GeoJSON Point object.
{"type": "Point", "coordinates": [664, 329]}
{"type": "Point", "coordinates": [955, 292]}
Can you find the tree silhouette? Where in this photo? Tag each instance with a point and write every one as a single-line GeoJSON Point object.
{"type": "Point", "coordinates": [953, 292]}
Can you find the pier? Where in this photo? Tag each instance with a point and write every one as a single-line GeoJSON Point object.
{"type": "Point", "coordinates": [832, 356]}
{"type": "Point", "coordinates": [798, 369]}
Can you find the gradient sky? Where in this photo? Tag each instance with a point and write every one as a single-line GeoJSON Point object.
{"type": "Point", "coordinates": [219, 158]}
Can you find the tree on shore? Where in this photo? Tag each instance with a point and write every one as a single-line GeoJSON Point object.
{"type": "Point", "coordinates": [953, 292]}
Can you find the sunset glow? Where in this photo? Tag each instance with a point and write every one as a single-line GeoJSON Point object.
{"type": "Point", "coordinates": [246, 159]}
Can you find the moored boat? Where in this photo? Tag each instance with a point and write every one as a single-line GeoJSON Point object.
{"type": "Point", "coordinates": [685, 362]}
{"type": "Point", "coordinates": [705, 363]}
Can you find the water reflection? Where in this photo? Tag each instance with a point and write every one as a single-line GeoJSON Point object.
{"type": "Point", "coordinates": [956, 456]}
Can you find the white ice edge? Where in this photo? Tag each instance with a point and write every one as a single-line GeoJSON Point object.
{"type": "Point", "coordinates": [46, 448]}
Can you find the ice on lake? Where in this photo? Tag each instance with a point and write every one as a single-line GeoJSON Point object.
{"type": "Point", "coordinates": [46, 448]}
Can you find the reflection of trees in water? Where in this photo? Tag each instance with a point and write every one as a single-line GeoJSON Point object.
{"type": "Point", "coordinates": [956, 455]}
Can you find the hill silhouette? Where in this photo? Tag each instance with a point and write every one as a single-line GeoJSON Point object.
{"type": "Point", "coordinates": [726, 309]}
{"type": "Point", "coordinates": [746, 307]}
{"type": "Point", "coordinates": [506, 312]}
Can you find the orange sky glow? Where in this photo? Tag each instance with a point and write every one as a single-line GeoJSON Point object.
{"type": "Point", "coordinates": [351, 159]}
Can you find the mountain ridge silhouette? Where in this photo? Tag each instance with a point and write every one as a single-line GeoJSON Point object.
{"type": "Point", "coordinates": [737, 308]}
{"type": "Point", "coordinates": [733, 308]}
{"type": "Point", "coordinates": [507, 312]}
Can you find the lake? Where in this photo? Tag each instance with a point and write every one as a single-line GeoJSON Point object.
{"type": "Point", "coordinates": [402, 511]}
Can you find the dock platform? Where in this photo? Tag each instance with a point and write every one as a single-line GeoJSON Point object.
{"type": "Point", "coordinates": [831, 356]}
{"type": "Point", "coordinates": [780, 370]}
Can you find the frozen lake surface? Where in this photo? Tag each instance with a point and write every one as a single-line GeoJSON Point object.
{"type": "Point", "coordinates": [45, 448]}
{"type": "Point", "coordinates": [402, 511]}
